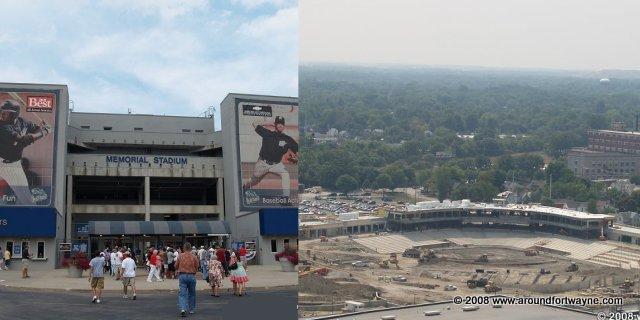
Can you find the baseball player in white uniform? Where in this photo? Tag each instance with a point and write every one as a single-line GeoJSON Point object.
{"type": "Point", "coordinates": [15, 135]}
{"type": "Point", "coordinates": [275, 144]}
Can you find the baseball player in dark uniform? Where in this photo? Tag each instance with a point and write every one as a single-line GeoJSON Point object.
{"type": "Point", "coordinates": [15, 135]}
{"type": "Point", "coordinates": [275, 145]}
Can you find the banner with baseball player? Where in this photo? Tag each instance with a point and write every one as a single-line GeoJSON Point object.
{"type": "Point", "coordinates": [268, 150]}
{"type": "Point", "coordinates": [26, 148]}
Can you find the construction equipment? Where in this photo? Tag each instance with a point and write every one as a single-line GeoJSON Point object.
{"type": "Point", "coordinates": [319, 271]}
{"type": "Point", "coordinates": [545, 271]}
{"type": "Point", "coordinates": [359, 264]}
{"type": "Point", "coordinates": [531, 252]}
{"type": "Point", "coordinates": [572, 267]}
{"type": "Point", "coordinates": [411, 253]}
{"type": "Point", "coordinates": [323, 239]}
{"type": "Point", "coordinates": [450, 288]}
{"type": "Point", "coordinates": [627, 286]}
{"type": "Point", "coordinates": [427, 256]}
{"type": "Point", "coordinates": [393, 259]}
{"type": "Point", "coordinates": [475, 283]}
{"type": "Point", "coordinates": [491, 287]}
{"type": "Point", "coordinates": [482, 258]}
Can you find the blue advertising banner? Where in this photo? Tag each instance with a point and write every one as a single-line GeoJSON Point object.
{"type": "Point", "coordinates": [27, 222]}
{"type": "Point", "coordinates": [279, 222]}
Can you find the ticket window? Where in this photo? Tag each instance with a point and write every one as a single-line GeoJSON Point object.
{"type": "Point", "coordinates": [40, 250]}
{"type": "Point", "coordinates": [25, 244]}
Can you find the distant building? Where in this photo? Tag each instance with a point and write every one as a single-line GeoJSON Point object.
{"type": "Point", "coordinates": [597, 165]}
{"type": "Point", "coordinates": [506, 197]}
{"type": "Point", "coordinates": [614, 140]}
{"type": "Point", "coordinates": [610, 154]}
{"type": "Point", "coordinates": [629, 218]}
{"type": "Point", "coordinates": [346, 225]}
{"type": "Point", "coordinates": [440, 155]}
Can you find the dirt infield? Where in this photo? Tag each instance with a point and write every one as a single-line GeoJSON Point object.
{"type": "Point", "coordinates": [320, 289]}
{"type": "Point", "coordinates": [507, 267]}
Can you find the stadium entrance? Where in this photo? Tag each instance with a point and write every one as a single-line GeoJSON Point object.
{"type": "Point", "coordinates": [139, 235]}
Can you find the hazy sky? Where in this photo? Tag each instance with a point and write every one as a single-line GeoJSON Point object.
{"type": "Point", "coordinates": [174, 57]}
{"type": "Point", "coordinates": [559, 34]}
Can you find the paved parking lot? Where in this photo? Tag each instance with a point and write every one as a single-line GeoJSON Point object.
{"type": "Point", "coordinates": [22, 304]}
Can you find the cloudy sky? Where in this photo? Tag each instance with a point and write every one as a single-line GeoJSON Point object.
{"type": "Point", "coordinates": [567, 34]}
{"type": "Point", "coordinates": [154, 56]}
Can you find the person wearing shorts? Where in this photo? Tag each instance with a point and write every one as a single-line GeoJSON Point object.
{"type": "Point", "coordinates": [7, 258]}
{"type": "Point", "coordinates": [128, 275]}
{"type": "Point", "coordinates": [96, 277]}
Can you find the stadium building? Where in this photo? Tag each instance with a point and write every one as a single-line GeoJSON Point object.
{"type": "Point", "coordinates": [456, 214]}
{"type": "Point", "coordinates": [100, 180]}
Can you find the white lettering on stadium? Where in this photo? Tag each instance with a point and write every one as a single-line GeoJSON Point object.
{"type": "Point", "coordinates": [276, 200]}
{"type": "Point", "coordinates": [143, 159]}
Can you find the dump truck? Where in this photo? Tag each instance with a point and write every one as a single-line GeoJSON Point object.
{"type": "Point", "coordinates": [482, 258]}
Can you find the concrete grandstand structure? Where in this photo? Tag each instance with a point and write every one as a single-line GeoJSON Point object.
{"type": "Point", "coordinates": [574, 234]}
{"type": "Point", "coordinates": [435, 214]}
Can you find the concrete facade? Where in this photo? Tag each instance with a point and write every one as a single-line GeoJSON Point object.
{"type": "Point", "coordinates": [595, 165]}
{"type": "Point", "coordinates": [117, 168]}
{"type": "Point", "coordinates": [610, 154]}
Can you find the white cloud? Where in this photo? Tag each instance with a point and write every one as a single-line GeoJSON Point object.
{"type": "Point", "coordinates": [166, 9]}
{"type": "Point", "coordinates": [251, 4]}
{"type": "Point", "coordinates": [162, 57]}
{"type": "Point", "coordinates": [283, 23]}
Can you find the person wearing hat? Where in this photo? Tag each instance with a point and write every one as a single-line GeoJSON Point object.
{"type": "Point", "coordinates": [276, 148]}
{"type": "Point", "coordinates": [16, 134]}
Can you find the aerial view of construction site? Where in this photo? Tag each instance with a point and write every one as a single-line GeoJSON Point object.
{"type": "Point", "coordinates": [433, 251]}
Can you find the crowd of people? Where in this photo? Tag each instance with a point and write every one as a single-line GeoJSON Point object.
{"type": "Point", "coordinates": [213, 263]}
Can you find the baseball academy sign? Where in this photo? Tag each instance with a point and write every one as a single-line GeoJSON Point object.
{"type": "Point", "coordinates": [146, 160]}
{"type": "Point", "coordinates": [268, 153]}
{"type": "Point", "coordinates": [27, 122]}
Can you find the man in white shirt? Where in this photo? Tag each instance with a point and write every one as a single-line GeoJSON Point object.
{"type": "Point", "coordinates": [119, 257]}
{"type": "Point", "coordinates": [128, 274]}
{"type": "Point", "coordinates": [112, 258]}
{"type": "Point", "coordinates": [203, 262]}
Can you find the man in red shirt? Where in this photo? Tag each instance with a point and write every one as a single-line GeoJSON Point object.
{"type": "Point", "coordinates": [153, 265]}
{"type": "Point", "coordinates": [222, 258]}
{"type": "Point", "coordinates": [289, 253]}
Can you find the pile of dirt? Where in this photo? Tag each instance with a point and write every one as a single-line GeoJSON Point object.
{"type": "Point", "coordinates": [318, 285]}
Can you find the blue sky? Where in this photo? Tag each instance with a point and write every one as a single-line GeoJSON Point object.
{"type": "Point", "coordinates": [154, 56]}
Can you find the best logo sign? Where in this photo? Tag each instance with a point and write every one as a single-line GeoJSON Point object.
{"type": "Point", "coordinates": [39, 104]}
